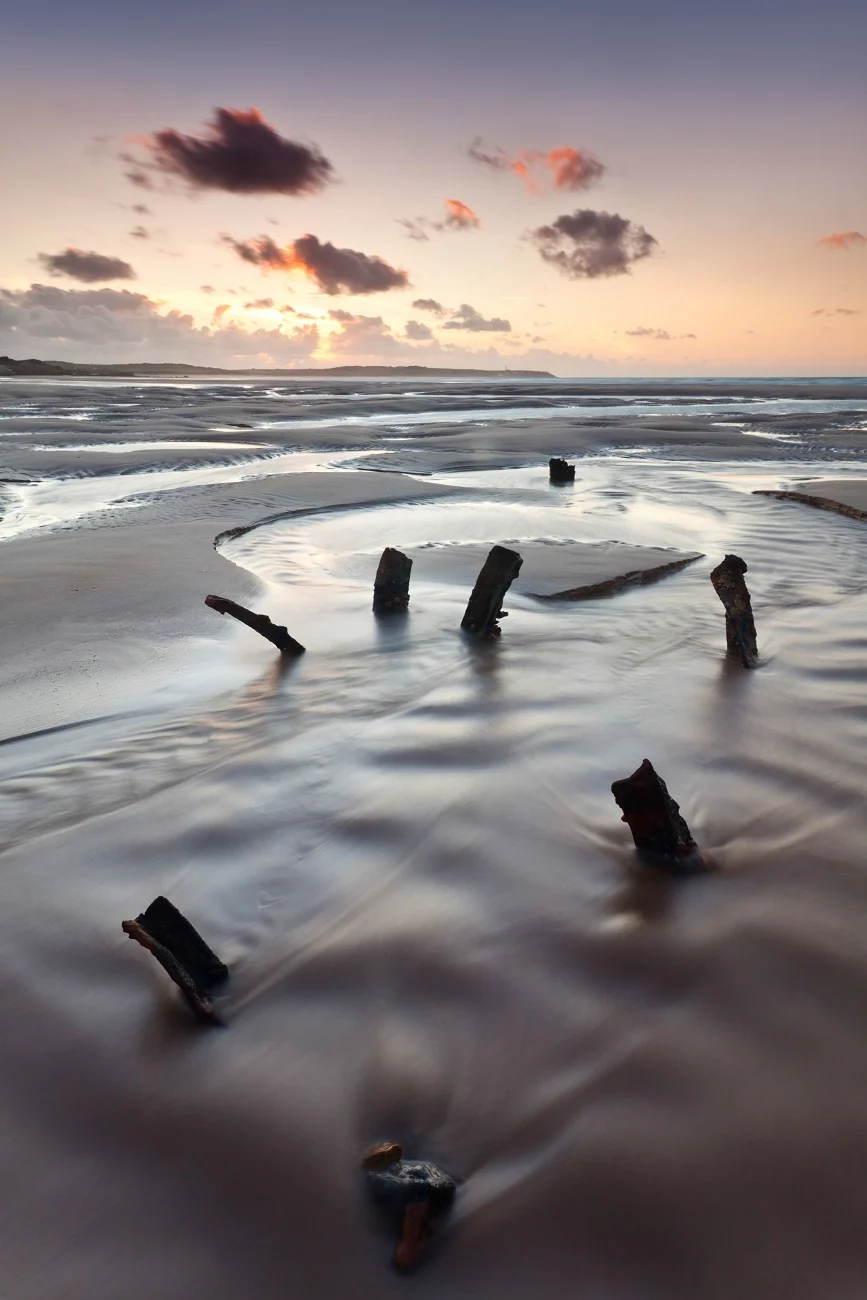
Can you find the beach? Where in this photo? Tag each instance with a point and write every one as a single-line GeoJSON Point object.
{"type": "Point", "coordinates": [404, 846]}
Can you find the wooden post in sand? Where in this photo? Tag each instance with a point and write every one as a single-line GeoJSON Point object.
{"type": "Point", "coordinates": [485, 605]}
{"type": "Point", "coordinates": [559, 471]}
{"type": "Point", "coordinates": [182, 953]}
{"type": "Point", "coordinates": [391, 585]}
{"type": "Point", "coordinates": [260, 623]}
{"type": "Point", "coordinates": [655, 821]}
{"type": "Point", "coordinates": [728, 583]}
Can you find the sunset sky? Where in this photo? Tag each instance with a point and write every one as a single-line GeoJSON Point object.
{"type": "Point", "coordinates": [594, 190]}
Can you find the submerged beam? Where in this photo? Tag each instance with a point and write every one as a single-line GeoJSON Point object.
{"type": "Point", "coordinates": [391, 585]}
{"type": "Point", "coordinates": [485, 606]}
{"type": "Point", "coordinates": [655, 821]}
{"type": "Point", "coordinates": [260, 623]}
{"type": "Point", "coordinates": [183, 954]}
{"type": "Point", "coordinates": [559, 471]}
{"type": "Point", "coordinates": [728, 583]}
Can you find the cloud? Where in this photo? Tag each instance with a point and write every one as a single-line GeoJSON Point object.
{"type": "Point", "coordinates": [586, 244]}
{"type": "Point", "coordinates": [564, 168]}
{"type": "Point", "coordinates": [417, 330]}
{"type": "Point", "coordinates": [334, 270]}
{"type": "Point", "coordinates": [139, 232]}
{"type": "Point", "coordinates": [208, 288]}
{"type": "Point", "coordinates": [239, 152]}
{"type": "Point", "coordinates": [119, 325]}
{"type": "Point", "coordinates": [647, 332]}
{"type": "Point", "coordinates": [89, 268]}
{"type": "Point", "coordinates": [220, 311]}
{"type": "Point", "coordinates": [259, 304]}
{"type": "Point", "coordinates": [843, 241]}
{"type": "Point", "coordinates": [141, 209]}
{"type": "Point", "coordinates": [361, 336]}
{"type": "Point", "coordinates": [467, 318]}
{"type": "Point", "coordinates": [459, 216]}
{"type": "Point", "coordinates": [836, 311]}
{"type": "Point", "coordinates": [431, 305]}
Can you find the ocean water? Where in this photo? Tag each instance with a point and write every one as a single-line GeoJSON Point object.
{"type": "Point", "coordinates": [405, 847]}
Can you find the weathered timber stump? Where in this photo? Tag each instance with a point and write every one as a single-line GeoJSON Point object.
{"type": "Point", "coordinates": [260, 623]}
{"type": "Point", "coordinates": [182, 953]}
{"type": "Point", "coordinates": [411, 1194]}
{"type": "Point", "coordinates": [728, 583]}
{"type": "Point", "coordinates": [485, 605]}
{"type": "Point", "coordinates": [655, 821]}
{"type": "Point", "coordinates": [391, 585]}
{"type": "Point", "coordinates": [559, 471]}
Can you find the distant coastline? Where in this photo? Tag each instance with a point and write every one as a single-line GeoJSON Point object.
{"type": "Point", "coordinates": [32, 366]}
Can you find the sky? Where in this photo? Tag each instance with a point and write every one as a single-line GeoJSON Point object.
{"type": "Point", "coordinates": [677, 189]}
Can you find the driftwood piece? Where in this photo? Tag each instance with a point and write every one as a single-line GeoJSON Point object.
{"type": "Point", "coordinates": [655, 821]}
{"type": "Point", "coordinates": [391, 585]}
{"type": "Point", "coordinates": [260, 623]}
{"type": "Point", "coordinates": [728, 583]}
{"type": "Point", "coordinates": [411, 1194]}
{"type": "Point", "coordinates": [559, 471]}
{"type": "Point", "coordinates": [485, 605]}
{"type": "Point", "coordinates": [183, 954]}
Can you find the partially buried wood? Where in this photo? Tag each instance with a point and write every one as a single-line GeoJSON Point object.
{"type": "Point", "coordinates": [485, 605]}
{"type": "Point", "coordinates": [411, 1194]}
{"type": "Point", "coordinates": [728, 583]}
{"type": "Point", "coordinates": [559, 471]}
{"type": "Point", "coordinates": [655, 821]}
{"type": "Point", "coordinates": [260, 623]}
{"type": "Point", "coordinates": [391, 585]}
{"type": "Point", "coordinates": [183, 954]}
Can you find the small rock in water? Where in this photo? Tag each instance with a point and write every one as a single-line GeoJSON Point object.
{"type": "Point", "coordinates": [412, 1195]}
{"type": "Point", "coordinates": [559, 471]}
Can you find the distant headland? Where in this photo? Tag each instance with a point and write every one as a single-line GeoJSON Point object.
{"type": "Point", "coordinates": [175, 370]}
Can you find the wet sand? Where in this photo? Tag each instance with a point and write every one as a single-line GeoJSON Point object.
{"type": "Point", "coordinates": [405, 847]}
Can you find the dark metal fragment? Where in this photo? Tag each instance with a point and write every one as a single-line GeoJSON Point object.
{"type": "Point", "coordinates": [728, 583]}
{"type": "Point", "coordinates": [260, 623]}
{"type": "Point", "coordinates": [391, 585]}
{"type": "Point", "coordinates": [182, 953]}
{"type": "Point", "coordinates": [559, 471]}
{"type": "Point", "coordinates": [485, 605]}
{"type": "Point", "coordinates": [411, 1194]}
{"type": "Point", "coordinates": [654, 819]}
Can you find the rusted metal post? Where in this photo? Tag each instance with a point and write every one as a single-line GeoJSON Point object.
{"type": "Point", "coordinates": [728, 583]}
{"type": "Point", "coordinates": [260, 623]}
{"type": "Point", "coordinates": [485, 605]}
{"type": "Point", "coordinates": [391, 585]}
{"type": "Point", "coordinates": [655, 821]}
{"type": "Point", "coordinates": [559, 471]}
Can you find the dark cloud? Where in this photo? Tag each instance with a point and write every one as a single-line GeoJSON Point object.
{"type": "Point", "coordinates": [467, 318]}
{"type": "Point", "coordinates": [585, 245]}
{"type": "Point", "coordinates": [334, 270]}
{"type": "Point", "coordinates": [259, 303]}
{"type": "Point", "coordinates": [238, 152]}
{"type": "Point", "coordinates": [843, 241]}
{"type": "Point", "coordinates": [76, 324]}
{"type": "Point", "coordinates": [836, 311]}
{"type": "Point", "coordinates": [89, 268]}
{"type": "Point", "coordinates": [564, 168]}
{"type": "Point", "coordinates": [141, 208]}
{"type": "Point", "coordinates": [139, 232]}
{"type": "Point", "coordinates": [431, 305]}
{"type": "Point", "coordinates": [416, 329]}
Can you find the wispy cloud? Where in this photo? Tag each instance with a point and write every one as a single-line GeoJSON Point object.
{"type": "Point", "coordinates": [836, 311]}
{"type": "Point", "coordinates": [658, 335]}
{"type": "Point", "coordinates": [88, 267]}
{"type": "Point", "coordinates": [843, 241]}
{"type": "Point", "coordinates": [586, 245]}
{"type": "Point", "coordinates": [238, 152]}
{"type": "Point", "coordinates": [431, 305]}
{"type": "Point", "coordinates": [564, 168]}
{"type": "Point", "coordinates": [334, 270]}
{"type": "Point", "coordinates": [459, 216]}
